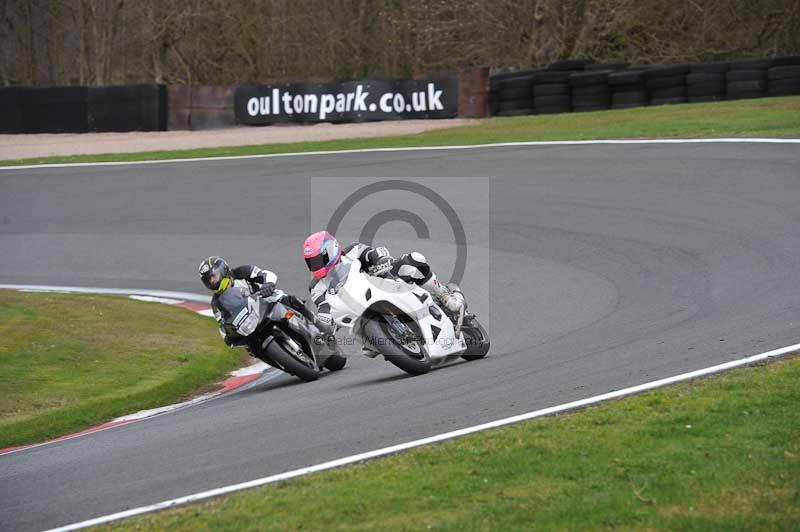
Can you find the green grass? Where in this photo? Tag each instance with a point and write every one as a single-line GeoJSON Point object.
{"type": "Point", "coordinates": [717, 454]}
{"type": "Point", "coordinates": [71, 361]}
{"type": "Point", "coordinates": [769, 117]}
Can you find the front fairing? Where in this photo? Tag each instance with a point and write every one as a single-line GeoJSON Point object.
{"type": "Point", "coordinates": [362, 294]}
{"type": "Point", "coordinates": [240, 311]}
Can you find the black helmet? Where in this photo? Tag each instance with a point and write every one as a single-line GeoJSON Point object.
{"type": "Point", "coordinates": [215, 274]}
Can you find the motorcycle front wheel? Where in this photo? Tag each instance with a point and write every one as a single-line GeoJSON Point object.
{"type": "Point", "coordinates": [293, 360]}
{"type": "Point", "coordinates": [477, 339]}
{"type": "Point", "coordinates": [411, 357]}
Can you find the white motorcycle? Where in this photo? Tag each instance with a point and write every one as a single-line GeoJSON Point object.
{"type": "Point", "coordinates": [401, 321]}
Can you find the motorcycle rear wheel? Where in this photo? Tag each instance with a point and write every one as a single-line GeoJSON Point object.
{"type": "Point", "coordinates": [414, 361]}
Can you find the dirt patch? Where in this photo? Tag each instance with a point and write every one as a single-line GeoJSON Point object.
{"type": "Point", "coordinates": [48, 144]}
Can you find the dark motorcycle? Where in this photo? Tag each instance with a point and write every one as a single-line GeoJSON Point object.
{"type": "Point", "coordinates": [278, 334]}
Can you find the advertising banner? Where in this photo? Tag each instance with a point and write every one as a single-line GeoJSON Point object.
{"type": "Point", "coordinates": [353, 101]}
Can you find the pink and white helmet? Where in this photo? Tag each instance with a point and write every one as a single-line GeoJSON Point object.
{"type": "Point", "coordinates": [321, 251]}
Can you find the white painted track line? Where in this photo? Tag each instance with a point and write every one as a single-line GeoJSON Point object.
{"type": "Point", "coordinates": [421, 148]}
{"type": "Point", "coordinates": [432, 439]}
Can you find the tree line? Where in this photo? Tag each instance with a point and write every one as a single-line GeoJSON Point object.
{"type": "Point", "coordinates": [113, 42]}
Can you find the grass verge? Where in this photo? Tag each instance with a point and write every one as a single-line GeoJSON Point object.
{"type": "Point", "coordinates": [768, 117]}
{"type": "Point", "coordinates": [716, 454]}
{"type": "Point", "coordinates": [71, 361]}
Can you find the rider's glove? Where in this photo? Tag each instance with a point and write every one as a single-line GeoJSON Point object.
{"type": "Point", "coordinates": [267, 289]}
{"type": "Point", "coordinates": [383, 267]}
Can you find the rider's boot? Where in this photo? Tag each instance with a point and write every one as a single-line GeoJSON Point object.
{"type": "Point", "coordinates": [449, 297]}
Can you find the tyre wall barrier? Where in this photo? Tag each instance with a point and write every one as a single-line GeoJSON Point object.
{"type": "Point", "coordinates": [82, 109]}
{"type": "Point", "coordinates": [33, 110]}
{"type": "Point", "coordinates": [581, 85]}
{"type": "Point", "coordinates": [127, 108]}
{"type": "Point", "coordinates": [180, 107]}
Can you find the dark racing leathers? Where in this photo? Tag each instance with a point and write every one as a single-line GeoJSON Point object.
{"type": "Point", "coordinates": [251, 279]}
{"type": "Point", "coordinates": [411, 268]}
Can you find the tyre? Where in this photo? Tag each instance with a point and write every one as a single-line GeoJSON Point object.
{"type": "Point", "coordinates": [477, 339]}
{"type": "Point", "coordinates": [590, 108]}
{"type": "Point", "coordinates": [550, 89]}
{"type": "Point", "coordinates": [786, 61]}
{"type": "Point", "coordinates": [669, 71]}
{"type": "Point", "coordinates": [281, 354]}
{"type": "Point", "coordinates": [746, 75]}
{"type": "Point", "coordinates": [784, 87]}
{"type": "Point", "coordinates": [668, 101]}
{"type": "Point", "coordinates": [413, 360]}
{"type": "Point", "coordinates": [516, 83]}
{"type": "Point", "coordinates": [552, 109]}
{"type": "Point", "coordinates": [515, 93]}
{"type": "Point", "coordinates": [705, 99]}
{"type": "Point", "coordinates": [627, 105]}
{"type": "Point", "coordinates": [591, 90]}
{"type": "Point", "coordinates": [597, 100]}
{"type": "Point", "coordinates": [513, 105]}
{"type": "Point", "coordinates": [335, 362]}
{"type": "Point", "coordinates": [747, 86]}
{"type": "Point", "coordinates": [671, 92]}
{"type": "Point", "coordinates": [546, 101]}
{"type": "Point", "coordinates": [784, 72]}
{"type": "Point", "coordinates": [628, 87]}
{"type": "Point", "coordinates": [551, 77]}
{"type": "Point", "coordinates": [744, 95]}
{"type": "Point", "coordinates": [694, 79]}
{"type": "Point", "coordinates": [719, 67]}
{"type": "Point", "coordinates": [751, 64]}
{"type": "Point", "coordinates": [570, 64]}
{"type": "Point", "coordinates": [586, 79]}
{"type": "Point", "coordinates": [627, 78]}
{"type": "Point", "coordinates": [706, 89]}
{"type": "Point", "coordinates": [629, 98]}
{"type": "Point", "coordinates": [666, 82]}
{"type": "Point", "coordinates": [516, 112]}
{"type": "Point", "coordinates": [615, 66]}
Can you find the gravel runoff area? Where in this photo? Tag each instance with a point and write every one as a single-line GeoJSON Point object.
{"type": "Point", "coordinates": [48, 144]}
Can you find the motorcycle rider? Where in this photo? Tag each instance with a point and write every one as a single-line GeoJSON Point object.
{"type": "Point", "coordinates": [218, 277]}
{"type": "Point", "coordinates": [322, 252]}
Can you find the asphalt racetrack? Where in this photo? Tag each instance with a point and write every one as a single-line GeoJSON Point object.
{"type": "Point", "coordinates": [608, 266]}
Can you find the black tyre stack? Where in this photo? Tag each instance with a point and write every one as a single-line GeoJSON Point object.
{"type": "Point", "coordinates": [590, 90]}
{"type": "Point", "coordinates": [616, 66]}
{"type": "Point", "coordinates": [707, 82]}
{"type": "Point", "coordinates": [512, 94]}
{"type": "Point", "coordinates": [784, 77]}
{"type": "Point", "coordinates": [667, 84]}
{"type": "Point", "coordinates": [747, 79]}
{"type": "Point", "coordinates": [628, 89]}
{"type": "Point", "coordinates": [551, 93]}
